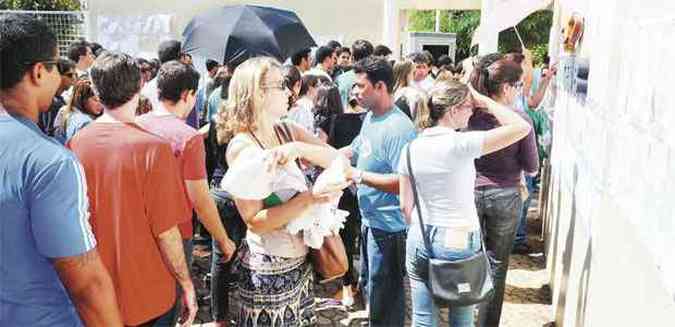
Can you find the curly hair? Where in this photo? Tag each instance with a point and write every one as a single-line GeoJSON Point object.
{"type": "Point", "coordinates": [242, 111]}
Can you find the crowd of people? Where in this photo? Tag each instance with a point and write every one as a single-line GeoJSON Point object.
{"type": "Point", "coordinates": [112, 164]}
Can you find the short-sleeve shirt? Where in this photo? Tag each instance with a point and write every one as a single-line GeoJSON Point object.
{"type": "Point", "coordinates": [503, 168]}
{"type": "Point", "coordinates": [442, 162]}
{"type": "Point", "coordinates": [43, 215]}
{"type": "Point", "coordinates": [345, 84]}
{"type": "Point", "coordinates": [213, 103]}
{"type": "Point", "coordinates": [188, 147]}
{"type": "Point", "coordinates": [76, 121]}
{"type": "Point", "coordinates": [135, 195]}
{"type": "Point", "coordinates": [377, 149]}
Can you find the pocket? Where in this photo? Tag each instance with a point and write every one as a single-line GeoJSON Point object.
{"type": "Point", "coordinates": [453, 244]}
{"type": "Point", "coordinates": [417, 265]}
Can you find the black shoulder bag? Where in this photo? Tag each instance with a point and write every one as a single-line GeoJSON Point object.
{"type": "Point", "coordinates": [461, 282]}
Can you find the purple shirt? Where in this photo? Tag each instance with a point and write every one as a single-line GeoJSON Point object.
{"type": "Point", "coordinates": [504, 167]}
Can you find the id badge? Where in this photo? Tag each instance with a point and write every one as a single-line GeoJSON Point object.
{"type": "Point", "coordinates": [456, 239]}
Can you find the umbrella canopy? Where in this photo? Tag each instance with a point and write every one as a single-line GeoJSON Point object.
{"type": "Point", "coordinates": [235, 33]}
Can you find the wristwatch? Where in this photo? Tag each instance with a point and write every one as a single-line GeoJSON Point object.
{"type": "Point", "coordinates": [358, 178]}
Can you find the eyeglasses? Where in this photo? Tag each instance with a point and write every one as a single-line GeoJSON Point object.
{"type": "Point", "coordinates": [274, 86]}
{"type": "Point", "coordinates": [69, 75]}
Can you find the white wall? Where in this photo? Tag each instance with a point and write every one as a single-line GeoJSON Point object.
{"type": "Point", "coordinates": [345, 20]}
{"type": "Point", "coordinates": [610, 230]}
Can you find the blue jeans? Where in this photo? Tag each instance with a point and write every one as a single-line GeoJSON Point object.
{"type": "Point", "coordinates": [425, 312]}
{"type": "Point", "coordinates": [498, 211]}
{"type": "Point", "coordinates": [521, 233]}
{"type": "Point", "coordinates": [382, 273]}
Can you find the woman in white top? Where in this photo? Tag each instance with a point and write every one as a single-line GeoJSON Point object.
{"type": "Point", "coordinates": [442, 162]}
{"type": "Point", "coordinates": [275, 279]}
{"type": "Point", "coordinates": [406, 97]}
{"type": "Point", "coordinates": [302, 112]}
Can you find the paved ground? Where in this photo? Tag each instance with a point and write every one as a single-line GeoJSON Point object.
{"type": "Point", "coordinates": [527, 300]}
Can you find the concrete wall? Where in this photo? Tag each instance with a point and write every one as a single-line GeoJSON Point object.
{"type": "Point", "coordinates": [380, 21]}
{"type": "Point", "coordinates": [609, 229]}
{"type": "Point", "coordinates": [345, 20]}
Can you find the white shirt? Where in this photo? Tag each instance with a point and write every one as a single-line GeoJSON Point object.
{"type": "Point", "coordinates": [424, 85]}
{"type": "Point", "coordinates": [302, 114]}
{"type": "Point", "coordinates": [443, 165]}
{"type": "Point", "coordinates": [150, 92]}
{"type": "Point", "coordinates": [318, 71]}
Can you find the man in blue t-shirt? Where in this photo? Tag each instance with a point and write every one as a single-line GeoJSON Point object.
{"type": "Point", "coordinates": [376, 152]}
{"type": "Point", "coordinates": [50, 271]}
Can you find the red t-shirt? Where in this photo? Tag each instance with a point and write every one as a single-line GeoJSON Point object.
{"type": "Point", "coordinates": [188, 147]}
{"type": "Point", "coordinates": [135, 195]}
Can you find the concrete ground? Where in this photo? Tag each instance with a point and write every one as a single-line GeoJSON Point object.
{"type": "Point", "coordinates": [527, 299]}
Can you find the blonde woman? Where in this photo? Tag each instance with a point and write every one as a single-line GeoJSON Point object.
{"type": "Point", "coordinates": [442, 162]}
{"type": "Point", "coordinates": [275, 279]}
{"type": "Point", "coordinates": [406, 97]}
{"type": "Point", "coordinates": [83, 108]}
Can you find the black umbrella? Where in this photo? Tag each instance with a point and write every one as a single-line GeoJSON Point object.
{"type": "Point", "coordinates": [236, 33]}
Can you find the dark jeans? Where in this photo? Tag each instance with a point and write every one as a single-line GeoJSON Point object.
{"type": "Point", "coordinates": [382, 273]}
{"type": "Point", "coordinates": [168, 319]}
{"type": "Point", "coordinates": [521, 233]}
{"type": "Point", "coordinates": [350, 233]}
{"type": "Point", "coordinates": [498, 211]}
{"type": "Point", "coordinates": [222, 277]}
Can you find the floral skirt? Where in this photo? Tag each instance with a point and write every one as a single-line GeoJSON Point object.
{"type": "Point", "coordinates": [274, 291]}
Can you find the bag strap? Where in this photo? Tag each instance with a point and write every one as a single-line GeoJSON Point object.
{"type": "Point", "coordinates": [427, 242]}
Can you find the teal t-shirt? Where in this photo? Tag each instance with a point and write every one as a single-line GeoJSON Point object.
{"type": "Point", "coordinates": [377, 149]}
{"type": "Point", "coordinates": [213, 102]}
{"type": "Point", "coordinates": [345, 82]}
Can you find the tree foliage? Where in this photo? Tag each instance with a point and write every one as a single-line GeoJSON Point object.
{"type": "Point", "coordinates": [46, 5]}
{"type": "Point", "coordinates": [534, 29]}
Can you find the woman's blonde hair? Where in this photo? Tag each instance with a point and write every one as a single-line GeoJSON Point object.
{"type": "Point", "coordinates": [402, 70]}
{"type": "Point", "coordinates": [442, 97]}
{"type": "Point", "coordinates": [82, 91]}
{"type": "Point", "coordinates": [242, 111]}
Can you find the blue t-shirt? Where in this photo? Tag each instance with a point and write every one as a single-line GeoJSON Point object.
{"type": "Point", "coordinates": [377, 149]}
{"type": "Point", "coordinates": [214, 102]}
{"type": "Point", "coordinates": [76, 121]}
{"type": "Point", "coordinates": [44, 214]}
{"type": "Point", "coordinates": [345, 83]}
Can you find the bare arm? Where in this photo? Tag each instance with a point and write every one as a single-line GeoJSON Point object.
{"type": "Point", "coordinates": [90, 288]}
{"type": "Point", "coordinates": [406, 198]}
{"type": "Point", "coordinates": [388, 183]}
{"type": "Point", "coordinates": [260, 221]}
{"type": "Point", "coordinates": [534, 100]}
{"type": "Point", "coordinates": [171, 247]}
{"type": "Point", "coordinates": [207, 213]}
{"type": "Point", "coordinates": [512, 129]}
{"type": "Point", "coordinates": [312, 148]}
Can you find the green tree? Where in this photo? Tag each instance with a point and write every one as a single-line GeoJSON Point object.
{"type": "Point", "coordinates": [534, 29]}
{"type": "Point", "coordinates": [46, 5]}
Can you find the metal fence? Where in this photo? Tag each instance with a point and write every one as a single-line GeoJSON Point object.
{"type": "Point", "coordinates": [69, 26]}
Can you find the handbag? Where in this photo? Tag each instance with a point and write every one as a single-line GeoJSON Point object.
{"type": "Point", "coordinates": [330, 261]}
{"type": "Point", "coordinates": [458, 282]}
